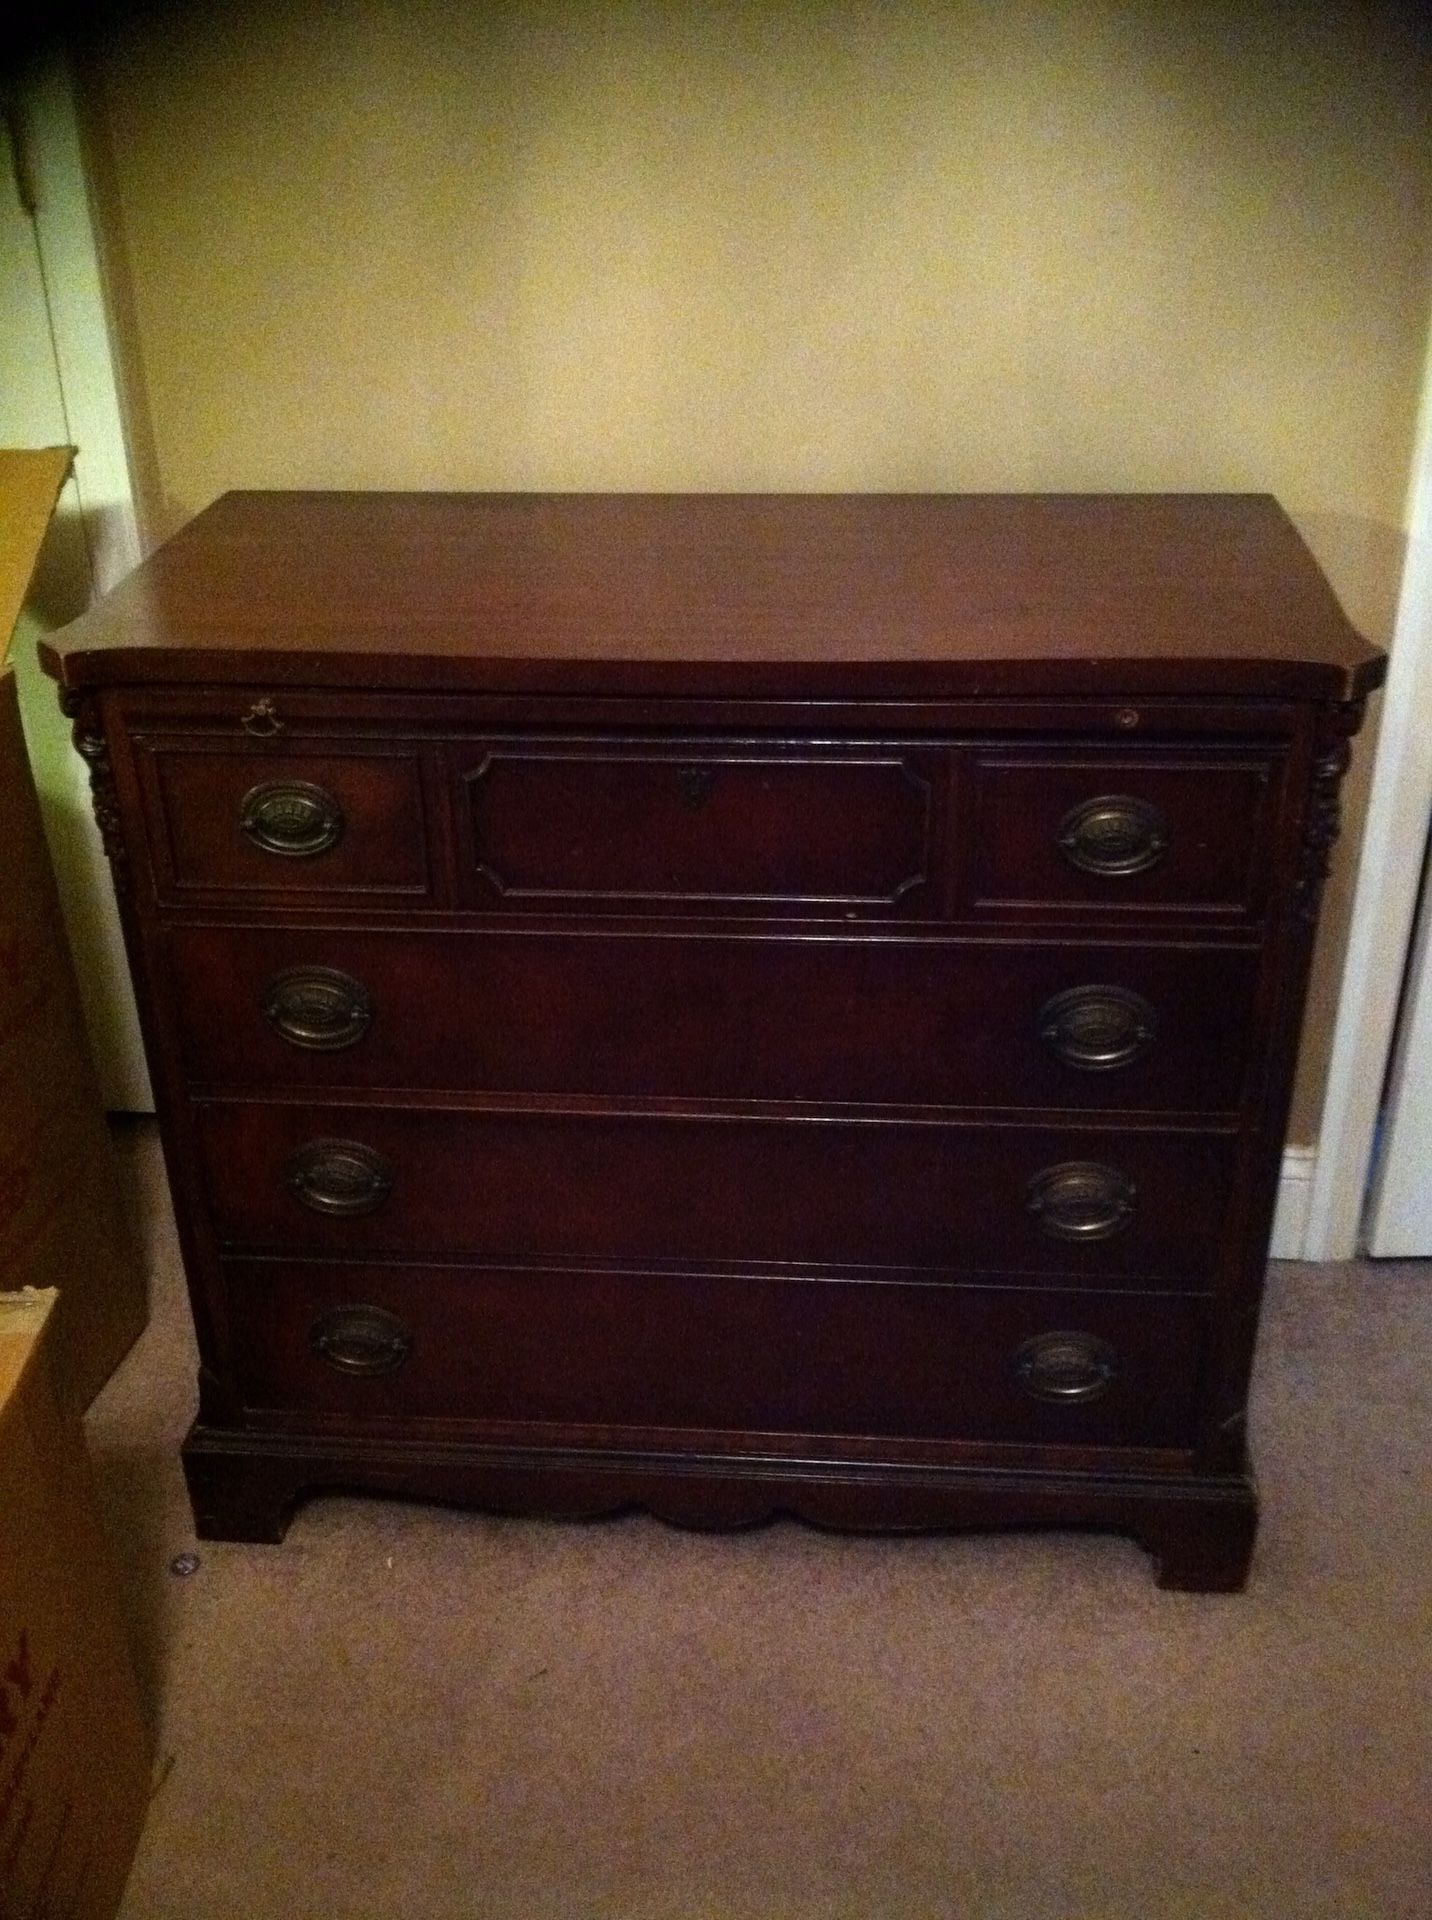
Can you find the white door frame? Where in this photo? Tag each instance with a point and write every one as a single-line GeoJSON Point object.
{"type": "Point", "coordinates": [1387, 887]}
{"type": "Point", "coordinates": [65, 232]}
{"type": "Point", "coordinates": [1399, 1209]}
{"type": "Point", "coordinates": [101, 492]}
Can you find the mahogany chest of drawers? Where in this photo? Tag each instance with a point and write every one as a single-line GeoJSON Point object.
{"type": "Point", "coordinates": [727, 1005]}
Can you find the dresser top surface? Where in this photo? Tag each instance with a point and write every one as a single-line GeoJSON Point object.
{"type": "Point", "coordinates": [721, 595]}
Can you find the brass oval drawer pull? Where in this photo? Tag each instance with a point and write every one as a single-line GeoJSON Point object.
{"type": "Point", "coordinates": [1066, 1367]}
{"type": "Point", "coordinates": [292, 817]}
{"type": "Point", "coordinates": [1097, 1027]}
{"type": "Point", "coordinates": [317, 1007]}
{"type": "Point", "coordinates": [1114, 834]}
{"type": "Point", "coordinates": [1081, 1200]}
{"type": "Point", "coordinates": [342, 1178]}
{"type": "Point", "coordinates": [361, 1340]}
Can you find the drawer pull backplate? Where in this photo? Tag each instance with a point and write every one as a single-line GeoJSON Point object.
{"type": "Point", "coordinates": [291, 817]}
{"type": "Point", "coordinates": [1097, 1027]}
{"type": "Point", "coordinates": [361, 1340]}
{"type": "Point", "coordinates": [1066, 1367]}
{"type": "Point", "coordinates": [1081, 1200]}
{"type": "Point", "coordinates": [339, 1177]}
{"type": "Point", "coordinates": [318, 1007]}
{"type": "Point", "coordinates": [1114, 834]}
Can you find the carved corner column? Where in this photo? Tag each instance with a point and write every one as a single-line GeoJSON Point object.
{"type": "Point", "coordinates": [1337, 726]}
{"type": "Point", "coordinates": [87, 731]}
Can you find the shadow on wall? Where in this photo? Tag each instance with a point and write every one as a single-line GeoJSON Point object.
{"type": "Point", "coordinates": [562, 245]}
{"type": "Point", "coordinates": [1365, 559]}
{"type": "Point", "coordinates": [61, 591]}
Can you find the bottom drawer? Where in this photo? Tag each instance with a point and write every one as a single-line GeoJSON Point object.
{"type": "Point", "coordinates": [887, 1358]}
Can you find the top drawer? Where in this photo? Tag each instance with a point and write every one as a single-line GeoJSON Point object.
{"type": "Point", "coordinates": [1142, 830]}
{"type": "Point", "coordinates": [327, 823]}
{"type": "Point", "coordinates": [656, 825]}
{"type": "Point", "coordinates": [619, 825]}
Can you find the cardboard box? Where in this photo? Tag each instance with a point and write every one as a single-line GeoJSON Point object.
{"type": "Point", "coordinates": [75, 1751]}
{"type": "Point", "coordinates": [62, 1221]}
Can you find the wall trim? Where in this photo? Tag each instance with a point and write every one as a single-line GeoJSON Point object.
{"type": "Point", "coordinates": [1389, 875]}
{"type": "Point", "coordinates": [102, 494]}
{"type": "Point", "coordinates": [1295, 1192]}
{"type": "Point", "coordinates": [79, 320]}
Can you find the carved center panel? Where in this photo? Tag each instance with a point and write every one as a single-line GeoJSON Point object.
{"type": "Point", "coordinates": [616, 826]}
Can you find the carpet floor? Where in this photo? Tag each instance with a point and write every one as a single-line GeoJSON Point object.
{"type": "Point", "coordinates": [409, 1711]}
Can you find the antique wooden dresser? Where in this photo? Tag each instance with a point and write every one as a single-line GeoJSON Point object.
{"type": "Point", "coordinates": [725, 1005]}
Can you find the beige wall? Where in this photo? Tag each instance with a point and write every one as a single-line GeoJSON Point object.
{"type": "Point", "coordinates": [1039, 244]}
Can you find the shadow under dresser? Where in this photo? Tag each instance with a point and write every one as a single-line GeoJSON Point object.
{"type": "Point", "coordinates": [731, 1005]}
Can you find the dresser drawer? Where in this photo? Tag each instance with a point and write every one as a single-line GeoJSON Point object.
{"type": "Point", "coordinates": [707, 1352]}
{"type": "Point", "coordinates": [1151, 829]}
{"type": "Point", "coordinates": [531, 1186]}
{"type": "Point", "coordinates": [611, 825]}
{"type": "Point", "coordinates": [891, 1019]}
{"type": "Point", "coordinates": [323, 825]}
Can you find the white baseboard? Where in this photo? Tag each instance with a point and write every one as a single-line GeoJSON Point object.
{"type": "Point", "coordinates": [1290, 1220]}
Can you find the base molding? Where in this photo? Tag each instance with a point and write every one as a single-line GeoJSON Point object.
{"type": "Point", "coordinates": [1198, 1528]}
{"type": "Point", "coordinates": [1295, 1191]}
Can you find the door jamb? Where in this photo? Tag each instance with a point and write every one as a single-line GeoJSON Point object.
{"type": "Point", "coordinates": [1387, 888]}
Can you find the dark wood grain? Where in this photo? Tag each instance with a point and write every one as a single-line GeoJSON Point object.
{"type": "Point", "coordinates": [691, 1134]}
{"type": "Point", "coordinates": [703, 1353]}
{"type": "Point", "coordinates": [1216, 810]}
{"type": "Point", "coordinates": [760, 825]}
{"type": "Point", "coordinates": [196, 792]}
{"type": "Point", "coordinates": [1200, 1529]}
{"type": "Point", "coordinates": [702, 1016]}
{"type": "Point", "coordinates": [625, 1187]}
{"type": "Point", "coordinates": [707, 594]}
